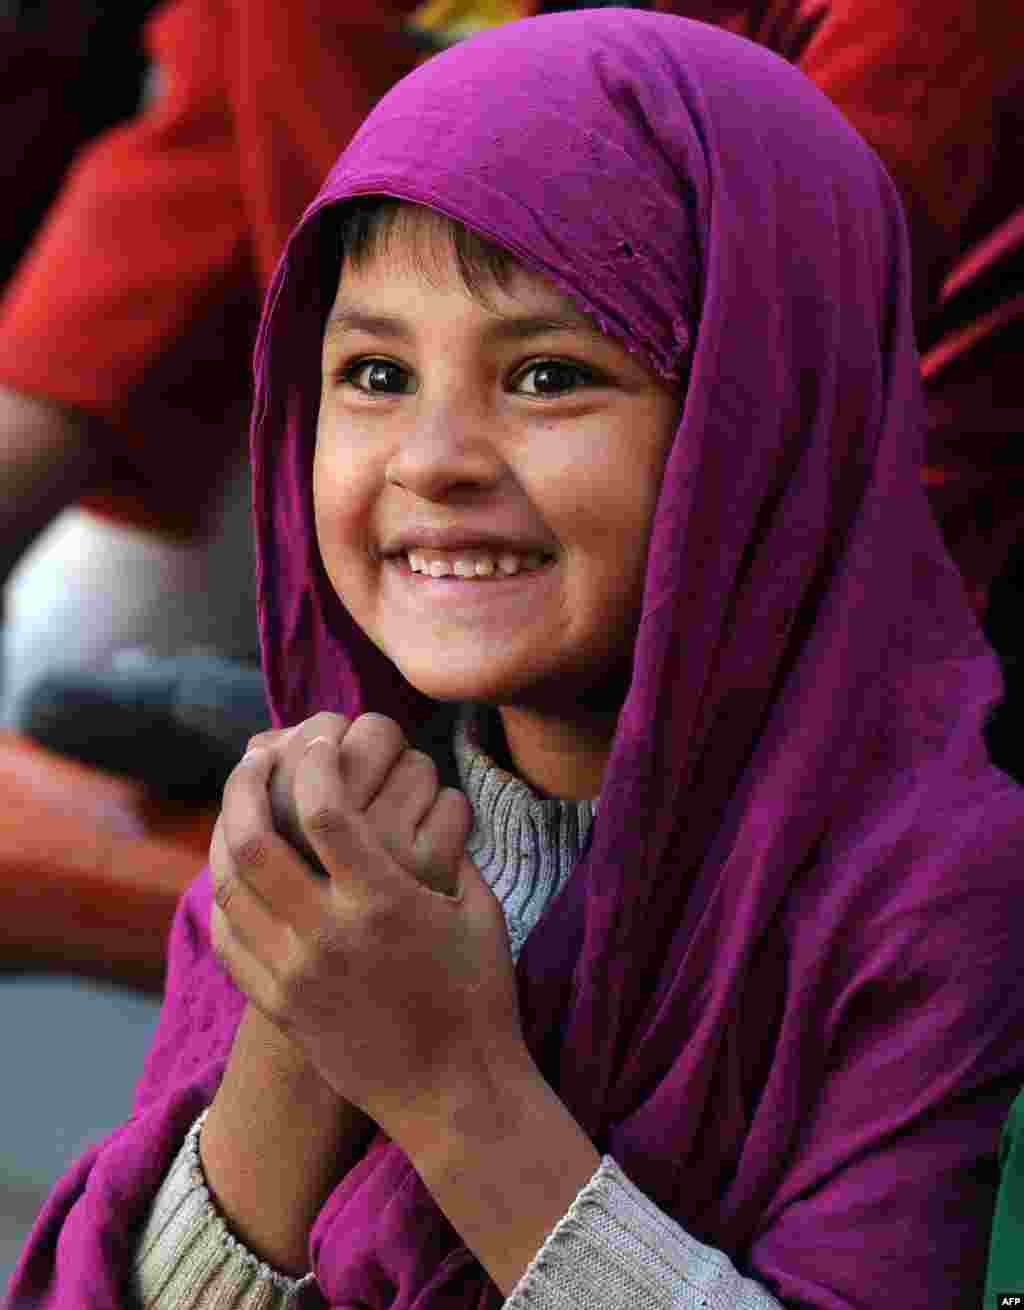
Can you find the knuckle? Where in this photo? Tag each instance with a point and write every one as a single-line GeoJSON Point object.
{"type": "Point", "coordinates": [382, 733]}
{"type": "Point", "coordinates": [269, 739]}
{"type": "Point", "coordinates": [325, 718]}
{"type": "Point", "coordinates": [324, 723]}
{"type": "Point", "coordinates": [322, 820]}
{"type": "Point", "coordinates": [376, 720]}
{"type": "Point", "coordinates": [384, 921]}
{"type": "Point", "coordinates": [250, 851]}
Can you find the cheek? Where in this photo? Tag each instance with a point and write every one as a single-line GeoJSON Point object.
{"type": "Point", "coordinates": [342, 503]}
{"type": "Point", "coordinates": [341, 496]}
{"type": "Point", "coordinates": [611, 515]}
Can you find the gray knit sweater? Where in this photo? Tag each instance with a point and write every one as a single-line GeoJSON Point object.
{"type": "Point", "coordinates": [613, 1250]}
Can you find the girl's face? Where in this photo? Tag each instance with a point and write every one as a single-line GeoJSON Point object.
{"type": "Point", "coordinates": [515, 427]}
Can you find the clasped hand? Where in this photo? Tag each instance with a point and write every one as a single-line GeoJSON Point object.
{"type": "Point", "coordinates": [401, 995]}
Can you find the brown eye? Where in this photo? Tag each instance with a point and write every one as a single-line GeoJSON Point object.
{"type": "Point", "coordinates": [379, 376]}
{"type": "Point", "coordinates": [554, 377]}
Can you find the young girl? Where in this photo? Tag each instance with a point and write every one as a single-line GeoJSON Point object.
{"type": "Point", "coordinates": [683, 971]}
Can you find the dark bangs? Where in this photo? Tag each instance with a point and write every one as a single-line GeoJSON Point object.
{"type": "Point", "coordinates": [370, 226]}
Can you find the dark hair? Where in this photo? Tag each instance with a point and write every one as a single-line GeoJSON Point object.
{"type": "Point", "coordinates": [368, 222]}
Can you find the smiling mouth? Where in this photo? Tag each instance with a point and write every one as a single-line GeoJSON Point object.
{"type": "Point", "coordinates": [496, 578]}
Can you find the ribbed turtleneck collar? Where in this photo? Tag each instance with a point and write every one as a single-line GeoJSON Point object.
{"type": "Point", "coordinates": [524, 845]}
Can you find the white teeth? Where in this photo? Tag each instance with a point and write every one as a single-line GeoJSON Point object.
{"type": "Point", "coordinates": [506, 563]}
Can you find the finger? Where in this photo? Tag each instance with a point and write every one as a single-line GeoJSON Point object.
{"type": "Point", "coordinates": [402, 803]}
{"type": "Point", "coordinates": [272, 739]}
{"type": "Point", "coordinates": [278, 739]}
{"type": "Point", "coordinates": [248, 974]}
{"type": "Point", "coordinates": [250, 921]}
{"type": "Point", "coordinates": [340, 834]}
{"type": "Point", "coordinates": [325, 723]}
{"type": "Point", "coordinates": [258, 855]}
{"type": "Point", "coordinates": [322, 721]}
{"type": "Point", "coordinates": [367, 754]}
{"type": "Point", "coordinates": [440, 841]}
{"type": "Point", "coordinates": [282, 779]}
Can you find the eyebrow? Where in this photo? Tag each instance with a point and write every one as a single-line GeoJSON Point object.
{"type": "Point", "coordinates": [354, 318]}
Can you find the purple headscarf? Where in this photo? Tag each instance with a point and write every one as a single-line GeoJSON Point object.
{"type": "Point", "coordinates": [782, 987]}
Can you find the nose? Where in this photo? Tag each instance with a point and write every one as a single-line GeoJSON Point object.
{"type": "Point", "coordinates": [444, 450]}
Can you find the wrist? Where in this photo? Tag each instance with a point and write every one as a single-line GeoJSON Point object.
{"type": "Point", "coordinates": [260, 1039]}
{"type": "Point", "coordinates": [275, 1142]}
{"type": "Point", "coordinates": [504, 1165]}
{"type": "Point", "coordinates": [270, 1082]}
{"type": "Point", "coordinates": [476, 1108]}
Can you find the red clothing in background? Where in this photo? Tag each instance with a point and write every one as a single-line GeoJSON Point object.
{"type": "Point", "coordinates": [139, 300]}
{"type": "Point", "coordinates": [937, 87]}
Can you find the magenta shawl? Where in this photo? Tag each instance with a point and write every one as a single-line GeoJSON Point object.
{"type": "Point", "coordinates": [783, 987]}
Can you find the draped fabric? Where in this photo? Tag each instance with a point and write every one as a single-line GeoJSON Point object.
{"type": "Point", "coordinates": [781, 987]}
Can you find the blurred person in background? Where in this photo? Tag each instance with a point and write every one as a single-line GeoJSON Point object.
{"type": "Point", "coordinates": [73, 71]}
{"type": "Point", "coordinates": [125, 344]}
{"type": "Point", "coordinates": [126, 334]}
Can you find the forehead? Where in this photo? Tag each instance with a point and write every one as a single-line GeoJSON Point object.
{"type": "Point", "coordinates": [417, 244]}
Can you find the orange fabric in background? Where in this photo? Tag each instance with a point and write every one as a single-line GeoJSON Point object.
{"type": "Point", "coordinates": [139, 300]}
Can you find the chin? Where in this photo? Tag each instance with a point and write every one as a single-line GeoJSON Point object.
{"type": "Point", "coordinates": [549, 693]}
{"type": "Point", "coordinates": [451, 688]}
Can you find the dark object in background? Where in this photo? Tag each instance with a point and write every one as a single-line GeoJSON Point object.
{"type": "Point", "coordinates": [178, 724]}
{"type": "Point", "coordinates": [71, 70]}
